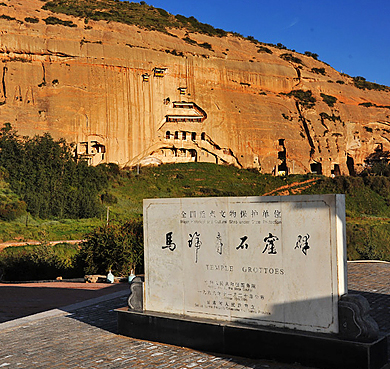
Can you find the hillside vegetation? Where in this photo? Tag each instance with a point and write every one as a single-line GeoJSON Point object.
{"type": "Point", "coordinates": [119, 245]}
{"type": "Point", "coordinates": [139, 14]}
{"type": "Point", "coordinates": [119, 193]}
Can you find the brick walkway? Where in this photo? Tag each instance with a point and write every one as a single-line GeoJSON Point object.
{"type": "Point", "coordinates": [85, 337]}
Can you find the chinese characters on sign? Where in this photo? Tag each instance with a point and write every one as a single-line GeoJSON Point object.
{"type": "Point", "coordinates": [234, 296]}
{"type": "Point", "coordinates": [271, 261]}
{"type": "Point", "coordinates": [202, 216]}
{"type": "Point", "coordinates": [195, 241]}
{"type": "Point", "coordinates": [239, 217]}
{"type": "Point", "coordinates": [303, 243]}
{"type": "Point", "coordinates": [242, 244]}
{"type": "Point", "coordinates": [270, 244]}
{"type": "Point", "coordinates": [168, 242]}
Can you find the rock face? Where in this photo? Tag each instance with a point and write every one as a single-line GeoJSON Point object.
{"type": "Point", "coordinates": [131, 96]}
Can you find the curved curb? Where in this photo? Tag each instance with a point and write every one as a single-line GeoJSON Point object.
{"type": "Point", "coordinates": [368, 261]}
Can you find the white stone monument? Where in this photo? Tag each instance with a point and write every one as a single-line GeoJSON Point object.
{"type": "Point", "coordinates": [270, 261]}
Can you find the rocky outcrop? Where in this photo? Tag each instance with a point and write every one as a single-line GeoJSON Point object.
{"type": "Point", "coordinates": [132, 96]}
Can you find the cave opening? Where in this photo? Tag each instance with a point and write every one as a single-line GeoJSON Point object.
{"type": "Point", "coordinates": [316, 168]}
{"type": "Point", "coordinates": [282, 156]}
{"type": "Point", "coordinates": [194, 155]}
{"type": "Point", "coordinates": [351, 166]}
{"type": "Point", "coordinates": [336, 170]}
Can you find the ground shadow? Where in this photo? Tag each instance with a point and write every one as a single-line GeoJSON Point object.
{"type": "Point", "coordinates": [19, 301]}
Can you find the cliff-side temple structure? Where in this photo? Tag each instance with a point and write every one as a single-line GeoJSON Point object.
{"type": "Point", "coordinates": [133, 96]}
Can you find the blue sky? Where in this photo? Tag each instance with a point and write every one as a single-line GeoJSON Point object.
{"type": "Point", "coordinates": [353, 36]}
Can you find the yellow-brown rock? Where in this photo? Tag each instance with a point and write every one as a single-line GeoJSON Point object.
{"type": "Point", "coordinates": [116, 91]}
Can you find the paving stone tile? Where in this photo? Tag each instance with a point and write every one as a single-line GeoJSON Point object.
{"type": "Point", "coordinates": [87, 337]}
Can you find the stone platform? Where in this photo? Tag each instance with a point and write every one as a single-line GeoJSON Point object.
{"type": "Point", "coordinates": [86, 336]}
{"type": "Point", "coordinates": [321, 350]}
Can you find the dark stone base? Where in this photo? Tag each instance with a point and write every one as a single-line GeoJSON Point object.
{"type": "Point", "coordinates": [318, 350]}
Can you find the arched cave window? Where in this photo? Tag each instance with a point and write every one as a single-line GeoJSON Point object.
{"type": "Point", "coordinates": [176, 135]}
{"type": "Point", "coordinates": [168, 135]}
{"type": "Point", "coordinates": [316, 168]}
{"type": "Point", "coordinates": [193, 136]}
{"type": "Point", "coordinates": [203, 136]}
{"type": "Point", "coordinates": [184, 135]}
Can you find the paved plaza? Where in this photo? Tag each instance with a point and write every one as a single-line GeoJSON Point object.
{"type": "Point", "coordinates": [83, 335]}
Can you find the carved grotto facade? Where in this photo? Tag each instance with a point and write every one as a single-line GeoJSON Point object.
{"type": "Point", "coordinates": [136, 97]}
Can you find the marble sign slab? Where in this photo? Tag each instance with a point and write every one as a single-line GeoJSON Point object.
{"type": "Point", "coordinates": [275, 261]}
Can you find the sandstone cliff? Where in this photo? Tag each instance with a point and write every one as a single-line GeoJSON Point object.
{"type": "Point", "coordinates": [128, 95]}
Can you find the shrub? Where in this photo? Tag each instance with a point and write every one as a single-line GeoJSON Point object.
{"type": "Point", "coordinates": [206, 45]}
{"type": "Point", "coordinates": [252, 39]}
{"type": "Point", "coordinates": [55, 20]}
{"type": "Point", "coordinates": [329, 100]}
{"type": "Point", "coordinates": [263, 49]}
{"type": "Point", "coordinates": [39, 262]}
{"type": "Point", "coordinates": [163, 12]}
{"type": "Point", "coordinates": [116, 247]}
{"type": "Point", "coordinates": [174, 52]}
{"type": "Point", "coordinates": [108, 198]}
{"type": "Point", "coordinates": [291, 58]}
{"type": "Point", "coordinates": [280, 46]}
{"type": "Point", "coordinates": [31, 20]}
{"type": "Point", "coordinates": [194, 25]}
{"type": "Point", "coordinates": [189, 41]}
{"type": "Point", "coordinates": [319, 71]}
{"type": "Point", "coordinates": [332, 117]}
{"type": "Point", "coordinates": [13, 210]}
{"type": "Point", "coordinates": [7, 17]}
{"type": "Point", "coordinates": [312, 55]}
{"type": "Point", "coordinates": [360, 82]}
{"type": "Point", "coordinates": [304, 97]}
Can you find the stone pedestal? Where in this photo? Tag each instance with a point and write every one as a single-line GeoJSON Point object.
{"type": "Point", "coordinates": [260, 277]}
{"type": "Point", "coordinates": [317, 350]}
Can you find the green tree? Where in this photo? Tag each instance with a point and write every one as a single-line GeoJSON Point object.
{"type": "Point", "coordinates": [48, 178]}
{"type": "Point", "coordinates": [118, 247]}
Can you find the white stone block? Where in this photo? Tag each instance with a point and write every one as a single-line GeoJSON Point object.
{"type": "Point", "coordinates": [275, 261]}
